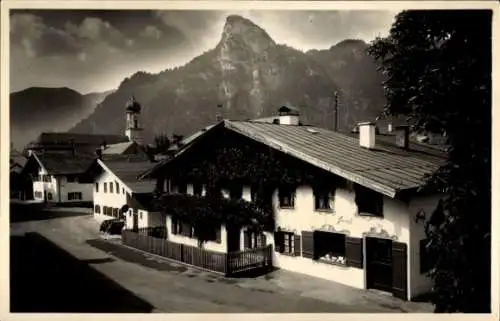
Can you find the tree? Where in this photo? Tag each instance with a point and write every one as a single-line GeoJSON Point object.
{"type": "Point", "coordinates": [438, 70]}
{"type": "Point", "coordinates": [162, 143]}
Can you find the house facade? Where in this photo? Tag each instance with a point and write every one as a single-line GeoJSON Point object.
{"type": "Point", "coordinates": [116, 185]}
{"type": "Point", "coordinates": [60, 178]}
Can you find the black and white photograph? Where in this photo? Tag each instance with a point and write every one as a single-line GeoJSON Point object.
{"type": "Point", "coordinates": [249, 158]}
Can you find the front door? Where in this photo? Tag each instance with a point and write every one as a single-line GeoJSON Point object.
{"type": "Point", "coordinates": [379, 264]}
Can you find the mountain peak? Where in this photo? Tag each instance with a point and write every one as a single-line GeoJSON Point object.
{"type": "Point", "coordinates": [240, 31]}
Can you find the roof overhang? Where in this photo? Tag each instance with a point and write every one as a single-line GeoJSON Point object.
{"type": "Point", "coordinates": [356, 178]}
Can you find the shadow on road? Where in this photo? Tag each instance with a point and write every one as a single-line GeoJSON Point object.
{"type": "Point", "coordinates": [45, 278]}
{"type": "Point", "coordinates": [36, 212]}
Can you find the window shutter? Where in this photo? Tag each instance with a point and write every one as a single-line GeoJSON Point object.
{"type": "Point", "coordinates": [296, 245]}
{"type": "Point", "coordinates": [246, 240]}
{"type": "Point", "coordinates": [308, 244]}
{"type": "Point", "coordinates": [218, 235]}
{"type": "Point", "coordinates": [354, 252]}
{"type": "Point", "coordinates": [399, 270]}
{"type": "Point", "coordinates": [173, 226]}
{"type": "Point", "coordinates": [279, 241]}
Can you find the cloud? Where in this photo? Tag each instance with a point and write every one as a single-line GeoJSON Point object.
{"type": "Point", "coordinates": [91, 50]}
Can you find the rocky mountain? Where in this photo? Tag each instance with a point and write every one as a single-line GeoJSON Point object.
{"type": "Point", "coordinates": [251, 76]}
{"type": "Point", "coordinates": [36, 109]}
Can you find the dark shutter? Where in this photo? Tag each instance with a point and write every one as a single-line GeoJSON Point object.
{"type": "Point", "coordinates": [174, 226]}
{"type": "Point", "coordinates": [246, 240]}
{"type": "Point", "coordinates": [308, 244]}
{"type": "Point", "coordinates": [296, 245]}
{"type": "Point", "coordinates": [218, 235]}
{"type": "Point", "coordinates": [279, 240]}
{"type": "Point", "coordinates": [399, 270]}
{"type": "Point", "coordinates": [354, 252]}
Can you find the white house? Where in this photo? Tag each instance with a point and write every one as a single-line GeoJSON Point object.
{"type": "Point", "coordinates": [116, 185]}
{"type": "Point", "coordinates": [60, 177]}
{"type": "Point", "coordinates": [365, 229]}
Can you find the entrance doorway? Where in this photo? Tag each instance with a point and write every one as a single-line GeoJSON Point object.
{"type": "Point", "coordinates": [386, 266]}
{"type": "Point", "coordinates": [379, 264]}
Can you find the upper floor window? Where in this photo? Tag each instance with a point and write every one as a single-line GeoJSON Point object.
{"type": "Point", "coordinates": [287, 197]}
{"type": "Point", "coordinates": [182, 188]}
{"type": "Point", "coordinates": [105, 187]}
{"type": "Point", "coordinates": [236, 192]}
{"type": "Point", "coordinates": [71, 178]}
{"type": "Point", "coordinates": [117, 188]}
{"type": "Point", "coordinates": [47, 179]}
{"type": "Point", "coordinates": [369, 202]}
{"type": "Point", "coordinates": [111, 187]}
{"type": "Point", "coordinates": [97, 187]}
{"type": "Point", "coordinates": [197, 189]}
{"type": "Point", "coordinates": [322, 198]}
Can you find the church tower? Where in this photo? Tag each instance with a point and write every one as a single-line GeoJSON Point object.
{"type": "Point", "coordinates": [133, 128]}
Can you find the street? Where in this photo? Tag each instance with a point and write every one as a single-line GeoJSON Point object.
{"type": "Point", "coordinates": [61, 265]}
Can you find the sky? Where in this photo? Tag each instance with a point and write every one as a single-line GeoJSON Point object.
{"type": "Point", "coordinates": [94, 50]}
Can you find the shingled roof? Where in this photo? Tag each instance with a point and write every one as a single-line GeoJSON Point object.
{"type": "Point", "coordinates": [49, 139]}
{"type": "Point", "coordinates": [386, 169]}
{"type": "Point", "coordinates": [128, 171]}
{"type": "Point", "coordinates": [63, 163]}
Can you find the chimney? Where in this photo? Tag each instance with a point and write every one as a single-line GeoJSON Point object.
{"type": "Point", "coordinates": [288, 116]}
{"type": "Point", "coordinates": [98, 152]}
{"type": "Point", "coordinates": [402, 136]}
{"type": "Point", "coordinates": [218, 115]}
{"type": "Point", "coordinates": [367, 134]}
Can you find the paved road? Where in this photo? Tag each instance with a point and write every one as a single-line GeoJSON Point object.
{"type": "Point", "coordinates": [55, 269]}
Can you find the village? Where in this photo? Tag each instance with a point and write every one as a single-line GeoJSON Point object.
{"type": "Point", "coordinates": [271, 206]}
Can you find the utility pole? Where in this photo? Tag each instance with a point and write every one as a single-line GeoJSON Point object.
{"type": "Point", "coordinates": [336, 119]}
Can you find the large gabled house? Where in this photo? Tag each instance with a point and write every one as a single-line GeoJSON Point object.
{"type": "Point", "coordinates": [364, 228]}
{"type": "Point", "coordinates": [21, 186]}
{"type": "Point", "coordinates": [60, 177]}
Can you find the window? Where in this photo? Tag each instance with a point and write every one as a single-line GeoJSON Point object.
{"type": "Point", "coordinates": [70, 178]}
{"type": "Point", "coordinates": [97, 187]}
{"type": "Point", "coordinates": [74, 196]}
{"type": "Point", "coordinates": [322, 198]}
{"type": "Point", "coordinates": [123, 190]}
{"type": "Point", "coordinates": [49, 196]}
{"type": "Point", "coordinates": [181, 228]}
{"type": "Point", "coordinates": [370, 203]}
{"type": "Point", "coordinates": [182, 188]}
{"type": "Point", "coordinates": [105, 187]}
{"type": "Point", "coordinates": [111, 187]}
{"type": "Point", "coordinates": [38, 194]}
{"type": "Point", "coordinates": [284, 242]}
{"type": "Point", "coordinates": [97, 209]}
{"type": "Point", "coordinates": [117, 186]}
{"type": "Point", "coordinates": [214, 235]}
{"type": "Point", "coordinates": [140, 215]}
{"type": "Point", "coordinates": [253, 240]}
{"type": "Point", "coordinates": [329, 247]}
{"type": "Point", "coordinates": [286, 197]}
{"type": "Point", "coordinates": [425, 263]}
{"type": "Point", "coordinates": [47, 179]}
{"type": "Point", "coordinates": [197, 189]}
{"type": "Point", "coordinates": [253, 194]}
{"type": "Point", "coordinates": [236, 192]}
{"type": "Point", "coordinates": [116, 212]}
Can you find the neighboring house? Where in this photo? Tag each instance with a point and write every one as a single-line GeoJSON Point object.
{"type": "Point", "coordinates": [21, 186]}
{"type": "Point", "coordinates": [60, 177]}
{"type": "Point", "coordinates": [116, 185]}
{"type": "Point", "coordinates": [366, 230]}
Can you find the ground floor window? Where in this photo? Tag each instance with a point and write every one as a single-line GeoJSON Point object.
{"type": "Point", "coordinates": [181, 228]}
{"type": "Point", "coordinates": [116, 212]}
{"type": "Point", "coordinates": [285, 242]}
{"type": "Point", "coordinates": [74, 196]}
{"type": "Point", "coordinates": [49, 196]}
{"type": "Point", "coordinates": [97, 209]}
{"type": "Point", "coordinates": [38, 194]}
{"type": "Point", "coordinates": [330, 247]}
{"type": "Point", "coordinates": [252, 240]}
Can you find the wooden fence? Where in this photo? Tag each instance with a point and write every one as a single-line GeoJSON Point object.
{"type": "Point", "coordinates": [227, 264]}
